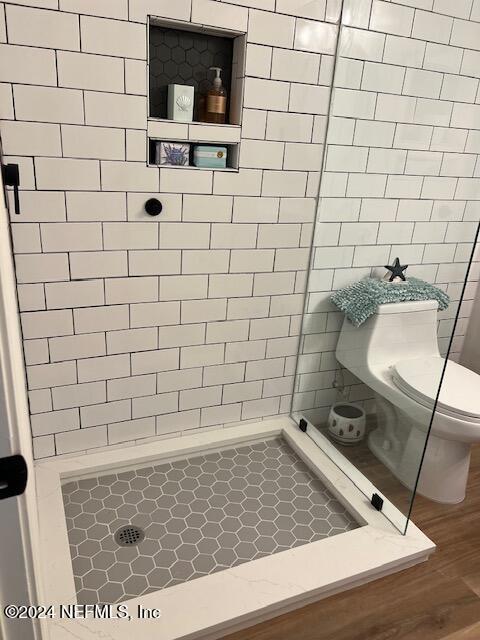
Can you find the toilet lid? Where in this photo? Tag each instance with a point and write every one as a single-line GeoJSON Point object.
{"type": "Point", "coordinates": [420, 380]}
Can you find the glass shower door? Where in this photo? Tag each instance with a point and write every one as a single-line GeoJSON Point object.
{"type": "Point", "coordinates": [371, 394]}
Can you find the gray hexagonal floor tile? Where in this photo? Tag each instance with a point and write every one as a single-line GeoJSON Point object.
{"type": "Point", "coordinates": [200, 515]}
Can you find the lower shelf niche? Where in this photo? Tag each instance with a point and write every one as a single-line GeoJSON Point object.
{"type": "Point", "coordinates": [212, 156]}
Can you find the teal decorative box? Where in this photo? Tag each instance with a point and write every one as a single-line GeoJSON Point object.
{"type": "Point", "coordinates": [210, 157]}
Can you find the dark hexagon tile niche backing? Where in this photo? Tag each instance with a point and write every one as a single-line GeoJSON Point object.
{"type": "Point", "coordinates": [200, 515]}
{"type": "Point", "coordinates": [185, 57]}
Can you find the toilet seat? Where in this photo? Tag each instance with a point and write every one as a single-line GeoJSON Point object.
{"type": "Point", "coordinates": [420, 378]}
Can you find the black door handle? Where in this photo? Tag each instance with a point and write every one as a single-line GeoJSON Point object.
{"type": "Point", "coordinates": [13, 476]}
{"type": "Point", "coordinates": [11, 178]}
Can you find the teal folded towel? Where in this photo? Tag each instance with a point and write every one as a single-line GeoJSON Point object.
{"type": "Point", "coordinates": [360, 300]}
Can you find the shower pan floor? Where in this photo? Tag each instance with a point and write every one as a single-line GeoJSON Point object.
{"type": "Point", "coordinates": [223, 570]}
{"type": "Point", "coordinates": [196, 516]}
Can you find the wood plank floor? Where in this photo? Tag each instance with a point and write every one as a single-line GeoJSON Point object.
{"type": "Point", "coordinates": [437, 600]}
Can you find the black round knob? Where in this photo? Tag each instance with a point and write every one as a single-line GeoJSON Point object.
{"type": "Point", "coordinates": [153, 207]}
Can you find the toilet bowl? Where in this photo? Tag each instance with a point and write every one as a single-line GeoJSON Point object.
{"type": "Point", "coordinates": [395, 352]}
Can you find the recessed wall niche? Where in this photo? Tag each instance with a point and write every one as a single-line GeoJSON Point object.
{"type": "Point", "coordinates": [184, 56]}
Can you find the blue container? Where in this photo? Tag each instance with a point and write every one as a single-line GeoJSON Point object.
{"type": "Point", "coordinates": [210, 157]}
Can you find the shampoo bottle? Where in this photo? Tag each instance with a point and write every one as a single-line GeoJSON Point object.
{"type": "Point", "coordinates": [216, 100]}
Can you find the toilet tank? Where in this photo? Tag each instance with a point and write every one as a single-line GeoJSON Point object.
{"type": "Point", "coordinates": [398, 331]}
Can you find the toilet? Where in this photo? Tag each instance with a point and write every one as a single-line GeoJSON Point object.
{"type": "Point", "coordinates": [395, 352]}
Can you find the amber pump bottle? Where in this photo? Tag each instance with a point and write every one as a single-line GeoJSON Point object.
{"type": "Point", "coordinates": [216, 100]}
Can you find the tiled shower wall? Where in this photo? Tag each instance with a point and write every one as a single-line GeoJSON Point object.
{"type": "Point", "coordinates": [402, 170]}
{"type": "Point", "coordinates": [136, 327]}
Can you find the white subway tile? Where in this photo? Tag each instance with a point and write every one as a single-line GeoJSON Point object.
{"type": "Point", "coordinates": [93, 142]}
{"type": "Point", "coordinates": [361, 44]}
{"type": "Point", "coordinates": [351, 103]}
{"type": "Point", "coordinates": [429, 232]}
{"type": "Point", "coordinates": [131, 340]}
{"type": "Point", "coordinates": [395, 232]}
{"type": "Point", "coordinates": [178, 380]}
{"type": "Point", "coordinates": [67, 173]}
{"type": "Point", "coordinates": [129, 235]}
{"type": "Point", "coordinates": [404, 51]}
{"type": "Point", "coordinates": [271, 29]}
{"type": "Point", "coordinates": [202, 355]}
{"type": "Point", "coordinates": [250, 261]}
{"type": "Point", "coordinates": [95, 206]}
{"type": "Point", "coordinates": [198, 398]}
{"type": "Point", "coordinates": [43, 376]}
{"type": "Point", "coordinates": [73, 347]}
{"type": "Point", "coordinates": [55, 421]}
{"type": "Point", "coordinates": [414, 210]}
{"type": "Point", "coordinates": [71, 236]}
{"type": "Point", "coordinates": [413, 136]}
{"type": "Point", "coordinates": [31, 297]}
{"type": "Point", "coordinates": [391, 18]}
{"type": "Point", "coordinates": [103, 368]}
{"type": "Point", "coordinates": [319, 37]}
{"type": "Point", "coordinates": [245, 308]}
{"type": "Point", "coordinates": [203, 310]}
{"type": "Point", "coordinates": [98, 264]}
{"type": "Point", "coordinates": [107, 8]}
{"type": "Point", "coordinates": [223, 374]}
{"type": "Point", "coordinates": [258, 61]}
{"type": "Point", "coordinates": [132, 387]}
{"type": "Point", "coordinates": [154, 361]}
{"type": "Point", "coordinates": [40, 400]}
{"type": "Point", "coordinates": [41, 28]}
{"type": "Point", "coordinates": [80, 439]}
{"type": "Point", "coordinates": [306, 98]}
{"type": "Point", "coordinates": [466, 34]}
{"type": "Point", "coordinates": [221, 414]}
{"type": "Point", "coordinates": [140, 9]}
{"type": "Point", "coordinates": [183, 287]}
{"type": "Point", "coordinates": [245, 351]}
{"type": "Point", "coordinates": [204, 261]}
{"type": "Point", "coordinates": [459, 89]}
{"type": "Point", "coordinates": [78, 395]}
{"type": "Point", "coordinates": [151, 314]}
{"type": "Point", "coordinates": [41, 268]}
{"type": "Point", "coordinates": [31, 138]}
{"type": "Point", "coordinates": [289, 127]}
{"type": "Point", "coordinates": [46, 324]}
{"type": "Point", "coordinates": [440, 57]}
{"type": "Point", "coordinates": [266, 284]}
{"type": "Point", "coordinates": [48, 104]}
{"type": "Point", "coordinates": [432, 27]}
{"type": "Point", "coordinates": [131, 430]}
{"type": "Point", "coordinates": [125, 290]}
{"type": "Point", "coordinates": [186, 180]}
{"type": "Point", "coordinates": [439, 188]}
{"type": "Point", "coordinates": [470, 63]}
{"type": "Point", "coordinates": [83, 293]}
{"type": "Point", "coordinates": [247, 182]}
{"type": "Point", "coordinates": [26, 238]}
{"type": "Point", "coordinates": [98, 414]}
{"type": "Point", "coordinates": [181, 335]}
{"type": "Point", "coordinates": [424, 163]}
{"type": "Point", "coordinates": [207, 208]}
{"type": "Point", "coordinates": [136, 77]}
{"type": "Point", "coordinates": [114, 110]}
{"type": "Point", "coordinates": [382, 77]}
{"type": "Point", "coordinates": [295, 66]}
{"type": "Point", "coordinates": [219, 15]}
{"type": "Point", "coordinates": [149, 263]}
{"type": "Point", "coordinates": [185, 235]}
{"type": "Point", "coordinates": [227, 331]}
{"type": "Point", "coordinates": [424, 84]}
{"type": "Point", "coordinates": [230, 286]}
{"type": "Point", "coordinates": [266, 94]}
{"type": "Point", "coordinates": [458, 164]}
{"type": "Point", "coordinates": [101, 319]}
{"type": "Point", "coordinates": [261, 154]}
{"type": "Point", "coordinates": [113, 37]}
{"type": "Point", "coordinates": [130, 176]}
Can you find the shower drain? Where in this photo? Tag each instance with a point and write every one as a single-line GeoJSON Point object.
{"type": "Point", "coordinates": [129, 536]}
